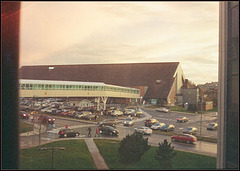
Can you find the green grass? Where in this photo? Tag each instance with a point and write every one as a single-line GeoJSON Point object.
{"type": "Point", "coordinates": [24, 127]}
{"type": "Point", "coordinates": [75, 156]}
{"type": "Point", "coordinates": [182, 160]}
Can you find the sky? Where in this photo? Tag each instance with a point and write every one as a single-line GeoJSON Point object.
{"type": "Point", "coordinates": [93, 32]}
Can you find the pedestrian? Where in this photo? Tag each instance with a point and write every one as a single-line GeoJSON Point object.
{"type": "Point", "coordinates": [95, 117]}
{"type": "Point", "coordinates": [89, 132]}
{"type": "Point", "coordinates": [97, 132]}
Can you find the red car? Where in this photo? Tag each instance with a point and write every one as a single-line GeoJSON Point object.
{"type": "Point", "coordinates": [24, 115]}
{"type": "Point", "coordinates": [65, 113]}
{"type": "Point", "coordinates": [187, 138]}
{"type": "Point", "coordinates": [47, 119]}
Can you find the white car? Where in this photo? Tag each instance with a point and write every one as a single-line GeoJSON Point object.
{"type": "Point", "coordinates": [157, 125]}
{"type": "Point", "coordinates": [143, 129]}
{"type": "Point", "coordinates": [116, 113]}
{"type": "Point", "coordinates": [128, 121]}
{"type": "Point", "coordinates": [162, 109]}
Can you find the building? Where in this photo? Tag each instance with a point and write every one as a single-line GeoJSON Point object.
{"type": "Point", "coordinates": [228, 96]}
{"type": "Point", "coordinates": [156, 81]}
{"type": "Point", "coordinates": [209, 92]}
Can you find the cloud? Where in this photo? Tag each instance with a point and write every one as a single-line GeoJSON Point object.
{"type": "Point", "coordinates": [118, 32]}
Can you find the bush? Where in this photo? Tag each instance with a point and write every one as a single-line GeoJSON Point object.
{"type": "Point", "coordinates": [132, 147]}
{"type": "Point", "coordinates": [165, 154]}
{"type": "Point", "coordinates": [192, 107]}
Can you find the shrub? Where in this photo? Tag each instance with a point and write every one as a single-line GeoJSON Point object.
{"type": "Point", "coordinates": [132, 147]}
{"type": "Point", "coordinates": [165, 154]}
{"type": "Point", "coordinates": [192, 107]}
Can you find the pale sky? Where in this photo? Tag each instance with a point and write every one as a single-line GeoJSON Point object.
{"type": "Point", "coordinates": [63, 33]}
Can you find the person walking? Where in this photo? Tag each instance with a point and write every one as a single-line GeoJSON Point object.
{"type": "Point", "coordinates": [97, 132]}
{"type": "Point", "coordinates": [89, 132]}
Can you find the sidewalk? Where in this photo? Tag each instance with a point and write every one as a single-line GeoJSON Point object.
{"type": "Point", "coordinates": [98, 159]}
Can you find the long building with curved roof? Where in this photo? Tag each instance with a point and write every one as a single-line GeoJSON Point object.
{"type": "Point", "coordinates": [156, 81]}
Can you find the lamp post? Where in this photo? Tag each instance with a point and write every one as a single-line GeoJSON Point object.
{"type": "Point", "coordinates": [52, 148]}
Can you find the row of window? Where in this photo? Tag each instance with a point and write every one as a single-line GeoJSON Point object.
{"type": "Point", "coordinates": [74, 87]}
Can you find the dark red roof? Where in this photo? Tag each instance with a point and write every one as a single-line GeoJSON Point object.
{"type": "Point", "coordinates": [129, 74]}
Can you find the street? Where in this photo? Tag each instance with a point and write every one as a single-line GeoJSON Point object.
{"type": "Point", "coordinates": [200, 147]}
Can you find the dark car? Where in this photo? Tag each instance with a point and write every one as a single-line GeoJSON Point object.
{"type": "Point", "coordinates": [167, 128]}
{"type": "Point", "coordinates": [212, 126]}
{"type": "Point", "coordinates": [184, 138]}
{"type": "Point", "coordinates": [108, 122]}
{"type": "Point", "coordinates": [68, 133]}
{"type": "Point", "coordinates": [190, 130]}
{"type": "Point", "coordinates": [47, 119]}
{"type": "Point", "coordinates": [150, 122]}
{"type": "Point", "coordinates": [182, 119]}
{"type": "Point", "coordinates": [24, 115]}
{"type": "Point", "coordinates": [108, 130]}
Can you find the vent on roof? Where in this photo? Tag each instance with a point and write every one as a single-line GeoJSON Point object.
{"type": "Point", "coordinates": [50, 68]}
{"type": "Point", "coordinates": [158, 81]}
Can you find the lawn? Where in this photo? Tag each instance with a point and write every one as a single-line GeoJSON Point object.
{"type": "Point", "coordinates": [182, 160]}
{"type": "Point", "coordinates": [75, 156]}
{"type": "Point", "coordinates": [24, 127]}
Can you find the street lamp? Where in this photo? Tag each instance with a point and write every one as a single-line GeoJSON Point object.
{"type": "Point", "coordinates": [52, 148]}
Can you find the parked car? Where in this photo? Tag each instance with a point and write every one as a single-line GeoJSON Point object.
{"type": "Point", "coordinates": [66, 113]}
{"type": "Point", "coordinates": [129, 121]}
{"type": "Point", "coordinates": [108, 130]}
{"type": "Point", "coordinates": [139, 113]}
{"type": "Point", "coordinates": [162, 109]}
{"type": "Point", "coordinates": [83, 113]}
{"type": "Point", "coordinates": [143, 129]}
{"type": "Point", "coordinates": [46, 119]}
{"type": "Point", "coordinates": [72, 114]}
{"type": "Point", "coordinates": [150, 122]}
{"type": "Point", "coordinates": [190, 130]}
{"type": "Point", "coordinates": [88, 117]}
{"type": "Point", "coordinates": [157, 125]}
{"type": "Point", "coordinates": [68, 133]}
{"type": "Point", "coordinates": [110, 110]}
{"type": "Point", "coordinates": [169, 127]}
{"type": "Point", "coordinates": [117, 113]}
{"type": "Point", "coordinates": [184, 138]}
{"type": "Point", "coordinates": [182, 119]}
{"type": "Point", "coordinates": [212, 126]}
{"type": "Point", "coordinates": [130, 112]}
{"type": "Point", "coordinates": [24, 115]}
{"type": "Point", "coordinates": [108, 122]}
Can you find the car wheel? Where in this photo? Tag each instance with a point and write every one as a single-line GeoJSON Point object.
{"type": "Point", "coordinates": [188, 142]}
{"type": "Point", "coordinates": [173, 139]}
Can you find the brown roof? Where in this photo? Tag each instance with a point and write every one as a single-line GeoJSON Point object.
{"type": "Point", "coordinates": [129, 74]}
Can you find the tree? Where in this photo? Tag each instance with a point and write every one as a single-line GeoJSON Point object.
{"type": "Point", "coordinates": [132, 147]}
{"type": "Point", "coordinates": [165, 154]}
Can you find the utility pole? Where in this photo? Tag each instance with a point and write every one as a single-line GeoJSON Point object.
{"type": "Point", "coordinates": [52, 148]}
{"type": "Point", "coordinates": [201, 119]}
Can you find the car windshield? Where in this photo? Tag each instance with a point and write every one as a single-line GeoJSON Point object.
{"type": "Point", "coordinates": [111, 128]}
{"type": "Point", "coordinates": [211, 124]}
{"type": "Point", "coordinates": [189, 128]}
{"type": "Point", "coordinates": [156, 124]}
{"type": "Point", "coordinates": [128, 119]}
{"type": "Point", "coordinates": [165, 126]}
